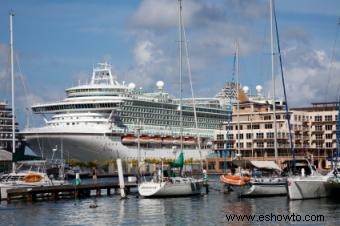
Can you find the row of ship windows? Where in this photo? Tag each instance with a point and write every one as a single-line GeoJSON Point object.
{"type": "Point", "coordinates": [76, 106]}
{"type": "Point", "coordinates": [173, 118]}
{"type": "Point", "coordinates": [75, 123]}
{"type": "Point", "coordinates": [146, 105]}
{"type": "Point", "coordinates": [170, 123]}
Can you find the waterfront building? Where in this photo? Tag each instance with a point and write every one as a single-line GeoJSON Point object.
{"type": "Point", "coordinates": [313, 134]}
{"type": "Point", "coordinates": [315, 131]}
{"type": "Point", "coordinates": [6, 137]}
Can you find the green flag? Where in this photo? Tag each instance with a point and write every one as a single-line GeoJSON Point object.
{"type": "Point", "coordinates": [179, 161]}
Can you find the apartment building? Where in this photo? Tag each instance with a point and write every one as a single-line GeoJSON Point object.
{"type": "Point", "coordinates": [251, 134]}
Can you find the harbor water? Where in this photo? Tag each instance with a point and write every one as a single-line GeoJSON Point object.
{"type": "Point", "coordinates": [216, 208]}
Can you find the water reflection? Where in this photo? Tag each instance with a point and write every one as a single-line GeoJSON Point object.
{"type": "Point", "coordinates": [199, 210]}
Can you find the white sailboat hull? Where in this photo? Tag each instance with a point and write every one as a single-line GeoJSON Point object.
{"type": "Point", "coordinates": [265, 189]}
{"type": "Point", "coordinates": [307, 187]}
{"type": "Point", "coordinates": [168, 189]}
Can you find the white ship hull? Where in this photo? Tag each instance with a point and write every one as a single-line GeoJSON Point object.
{"type": "Point", "coordinates": [98, 146]}
{"type": "Point", "coordinates": [310, 187]}
{"type": "Point", "coordinates": [168, 189]}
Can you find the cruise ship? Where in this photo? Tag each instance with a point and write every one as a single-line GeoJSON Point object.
{"type": "Point", "coordinates": [106, 119]}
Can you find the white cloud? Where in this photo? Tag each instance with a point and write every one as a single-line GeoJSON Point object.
{"type": "Point", "coordinates": [145, 53]}
{"type": "Point", "coordinates": [162, 14]}
{"type": "Point", "coordinates": [311, 76]}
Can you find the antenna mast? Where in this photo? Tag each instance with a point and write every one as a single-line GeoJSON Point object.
{"type": "Point", "coordinates": [11, 15]}
{"type": "Point", "coordinates": [273, 78]}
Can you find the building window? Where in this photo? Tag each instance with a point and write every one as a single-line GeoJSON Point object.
{"type": "Point", "coordinates": [267, 117]}
{"type": "Point", "coordinates": [249, 136]}
{"type": "Point", "coordinates": [259, 144]}
{"type": "Point", "coordinates": [318, 118]}
{"type": "Point", "coordinates": [256, 126]}
{"type": "Point", "coordinates": [249, 144]}
{"type": "Point", "coordinates": [319, 144]}
{"type": "Point", "coordinates": [318, 127]}
{"type": "Point", "coordinates": [329, 144]}
{"type": "Point", "coordinates": [328, 118]}
{"type": "Point", "coordinates": [270, 144]}
{"type": "Point", "coordinates": [259, 135]}
{"type": "Point", "coordinates": [270, 135]}
{"type": "Point", "coordinates": [241, 136]}
{"type": "Point", "coordinates": [318, 136]}
{"type": "Point", "coordinates": [329, 136]}
{"type": "Point", "coordinates": [220, 137]}
{"type": "Point", "coordinates": [328, 127]}
{"type": "Point", "coordinates": [268, 126]}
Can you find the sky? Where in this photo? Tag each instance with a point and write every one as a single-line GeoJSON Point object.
{"type": "Point", "coordinates": [56, 44]}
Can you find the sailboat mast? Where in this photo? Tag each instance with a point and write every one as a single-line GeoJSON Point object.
{"type": "Point", "coordinates": [11, 15]}
{"type": "Point", "coordinates": [273, 77]}
{"type": "Point", "coordinates": [192, 95]}
{"type": "Point", "coordinates": [238, 97]}
{"type": "Point", "coordinates": [180, 73]}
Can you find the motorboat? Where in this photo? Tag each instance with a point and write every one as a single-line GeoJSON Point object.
{"type": "Point", "coordinates": [34, 176]}
{"type": "Point", "coordinates": [307, 186]}
{"type": "Point", "coordinates": [266, 179]}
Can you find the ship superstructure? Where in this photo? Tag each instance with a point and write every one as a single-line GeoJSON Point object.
{"type": "Point", "coordinates": [105, 119]}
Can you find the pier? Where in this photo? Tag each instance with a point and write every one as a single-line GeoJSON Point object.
{"type": "Point", "coordinates": [65, 191]}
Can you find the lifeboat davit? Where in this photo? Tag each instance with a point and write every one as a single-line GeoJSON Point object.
{"type": "Point", "coordinates": [235, 180]}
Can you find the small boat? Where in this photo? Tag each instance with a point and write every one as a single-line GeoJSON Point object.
{"type": "Point", "coordinates": [234, 180]}
{"type": "Point", "coordinates": [129, 139]}
{"type": "Point", "coordinates": [268, 186]}
{"type": "Point", "coordinates": [307, 186]}
{"type": "Point", "coordinates": [165, 183]}
{"type": "Point", "coordinates": [266, 179]}
{"type": "Point", "coordinates": [33, 177]}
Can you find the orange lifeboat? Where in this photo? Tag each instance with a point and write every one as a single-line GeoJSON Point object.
{"type": "Point", "coordinates": [177, 140]}
{"type": "Point", "coordinates": [189, 140]}
{"type": "Point", "coordinates": [168, 140]}
{"type": "Point", "coordinates": [144, 139]}
{"type": "Point", "coordinates": [33, 178]}
{"type": "Point", "coordinates": [156, 139]}
{"type": "Point", "coordinates": [129, 139]}
{"type": "Point", "coordinates": [235, 180]}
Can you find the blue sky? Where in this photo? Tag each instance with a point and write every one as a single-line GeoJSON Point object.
{"type": "Point", "coordinates": [57, 42]}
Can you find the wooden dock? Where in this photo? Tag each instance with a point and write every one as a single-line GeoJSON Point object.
{"type": "Point", "coordinates": [65, 191]}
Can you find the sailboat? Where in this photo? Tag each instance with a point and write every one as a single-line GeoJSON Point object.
{"type": "Point", "coordinates": [166, 183]}
{"type": "Point", "coordinates": [274, 184]}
